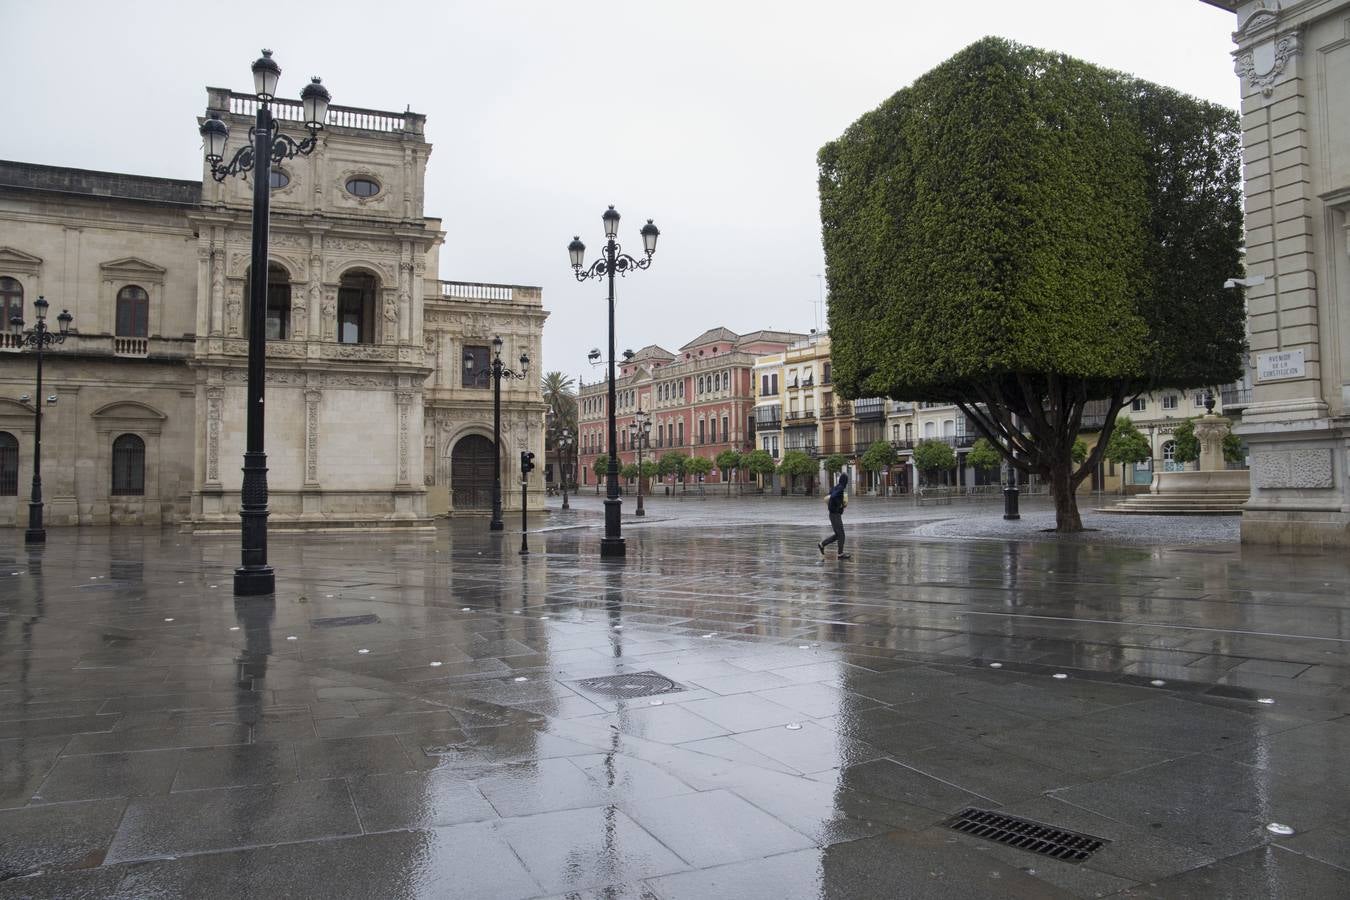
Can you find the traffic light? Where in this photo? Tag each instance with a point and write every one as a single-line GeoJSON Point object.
{"type": "Point", "coordinates": [526, 462]}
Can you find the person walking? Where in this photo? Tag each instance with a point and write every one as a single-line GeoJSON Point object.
{"type": "Point", "coordinates": [834, 504]}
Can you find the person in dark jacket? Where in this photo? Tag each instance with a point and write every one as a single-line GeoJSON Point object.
{"type": "Point", "coordinates": [835, 504]}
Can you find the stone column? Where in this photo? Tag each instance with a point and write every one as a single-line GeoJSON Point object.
{"type": "Point", "coordinates": [1210, 430]}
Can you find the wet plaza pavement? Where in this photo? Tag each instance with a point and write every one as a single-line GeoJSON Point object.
{"type": "Point", "coordinates": [419, 716]}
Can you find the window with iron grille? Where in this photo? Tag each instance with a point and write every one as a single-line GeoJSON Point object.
{"type": "Point", "coordinates": [9, 465]}
{"type": "Point", "coordinates": [128, 466]}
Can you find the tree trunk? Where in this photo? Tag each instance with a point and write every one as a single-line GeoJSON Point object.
{"type": "Point", "coordinates": [1066, 499]}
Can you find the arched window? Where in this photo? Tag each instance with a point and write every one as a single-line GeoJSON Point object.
{"type": "Point", "coordinates": [11, 299]}
{"type": "Point", "coordinates": [356, 308]}
{"type": "Point", "coordinates": [278, 303]}
{"type": "Point", "coordinates": [133, 312]}
{"type": "Point", "coordinates": [128, 466]}
{"type": "Point", "coordinates": [929, 429]}
{"type": "Point", "coordinates": [9, 464]}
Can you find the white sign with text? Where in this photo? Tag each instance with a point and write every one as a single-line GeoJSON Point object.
{"type": "Point", "coordinates": [1277, 366]}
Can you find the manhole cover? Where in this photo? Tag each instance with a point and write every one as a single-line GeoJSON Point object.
{"type": "Point", "coordinates": [1025, 834]}
{"type": "Point", "coordinates": [636, 684]}
{"type": "Point", "coordinates": [344, 621]}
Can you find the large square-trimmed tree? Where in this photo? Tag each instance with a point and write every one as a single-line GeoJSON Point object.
{"type": "Point", "coordinates": [1020, 233]}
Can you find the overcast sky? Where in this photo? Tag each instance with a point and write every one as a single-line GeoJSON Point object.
{"type": "Point", "coordinates": [705, 116]}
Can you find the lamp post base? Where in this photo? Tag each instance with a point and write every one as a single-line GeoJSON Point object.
{"type": "Point", "coordinates": [1010, 512]}
{"type": "Point", "coordinates": [35, 536]}
{"type": "Point", "coordinates": [613, 547]}
{"type": "Point", "coordinates": [496, 525]}
{"type": "Point", "coordinates": [254, 581]}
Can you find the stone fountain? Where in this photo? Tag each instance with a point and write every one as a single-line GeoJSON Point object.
{"type": "Point", "coordinates": [1214, 490]}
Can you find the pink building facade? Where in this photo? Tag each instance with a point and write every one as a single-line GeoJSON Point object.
{"type": "Point", "coordinates": [700, 400]}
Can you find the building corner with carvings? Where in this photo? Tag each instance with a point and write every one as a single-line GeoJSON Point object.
{"type": "Point", "coordinates": [1292, 59]}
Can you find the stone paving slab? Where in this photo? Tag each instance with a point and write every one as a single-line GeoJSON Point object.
{"type": "Point", "coordinates": [159, 737]}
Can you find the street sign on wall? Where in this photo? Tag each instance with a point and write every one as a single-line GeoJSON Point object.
{"type": "Point", "coordinates": [1279, 366]}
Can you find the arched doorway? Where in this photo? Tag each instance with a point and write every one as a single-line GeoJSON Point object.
{"type": "Point", "coordinates": [471, 473]}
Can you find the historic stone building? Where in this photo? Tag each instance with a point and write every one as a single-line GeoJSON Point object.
{"type": "Point", "coordinates": [1293, 62]}
{"type": "Point", "coordinates": [373, 419]}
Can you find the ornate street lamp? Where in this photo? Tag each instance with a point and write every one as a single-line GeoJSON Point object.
{"type": "Point", "coordinates": [639, 433]}
{"type": "Point", "coordinates": [267, 147]}
{"type": "Point", "coordinates": [614, 261]}
{"type": "Point", "coordinates": [562, 444]}
{"type": "Point", "coordinates": [39, 337]}
{"type": "Point", "coordinates": [497, 371]}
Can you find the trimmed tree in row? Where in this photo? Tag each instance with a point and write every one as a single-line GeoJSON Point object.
{"type": "Point", "coordinates": [797, 464]}
{"type": "Point", "coordinates": [1020, 233]}
{"type": "Point", "coordinates": [880, 455]}
{"type": "Point", "coordinates": [698, 466]}
{"type": "Point", "coordinates": [672, 465]}
{"type": "Point", "coordinates": [728, 461]}
{"type": "Point", "coordinates": [759, 463]}
{"type": "Point", "coordinates": [932, 457]}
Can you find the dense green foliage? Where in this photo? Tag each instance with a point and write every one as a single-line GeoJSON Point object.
{"type": "Point", "coordinates": [835, 462]}
{"type": "Point", "coordinates": [983, 456]}
{"type": "Point", "coordinates": [698, 466]}
{"type": "Point", "coordinates": [878, 456]}
{"type": "Point", "coordinates": [1186, 443]}
{"type": "Point", "coordinates": [1232, 448]}
{"type": "Point", "coordinates": [1080, 451]}
{"type": "Point", "coordinates": [629, 471]}
{"type": "Point", "coordinates": [797, 464]}
{"type": "Point", "coordinates": [672, 463]}
{"type": "Point", "coordinates": [601, 466]}
{"type": "Point", "coordinates": [759, 463]}
{"type": "Point", "coordinates": [728, 461]}
{"type": "Point", "coordinates": [1020, 232]}
{"type": "Point", "coordinates": [1127, 443]}
{"type": "Point", "coordinates": [934, 456]}
{"type": "Point", "coordinates": [648, 469]}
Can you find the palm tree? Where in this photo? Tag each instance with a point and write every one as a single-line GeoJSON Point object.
{"type": "Point", "coordinates": [562, 405]}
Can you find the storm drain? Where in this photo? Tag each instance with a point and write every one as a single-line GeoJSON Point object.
{"type": "Point", "coordinates": [625, 687]}
{"type": "Point", "coordinates": [1025, 834]}
{"type": "Point", "coordinates": [344, 621]}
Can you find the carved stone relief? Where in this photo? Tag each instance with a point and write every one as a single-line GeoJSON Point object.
{"type": "Point", "coordinates": [1261, 65]}
{"type": "Point", "coordinates": [312, 399]}
{"type": "Point", "coordinates": [1301, 468]}
{"type": "Point", "coordinates": [214, 400]}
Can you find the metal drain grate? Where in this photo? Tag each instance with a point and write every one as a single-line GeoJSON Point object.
{"type": "Point", "coordinates": [637, 684]}
{"type": "Point", "coordinates": [344, 621]}
{"type": "Point", "coordinates": [1025, 834]}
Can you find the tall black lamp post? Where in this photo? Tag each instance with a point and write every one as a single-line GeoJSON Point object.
{"type": "Point", "coordinates": [638, 434]}
{"type": "Point", "coordinates": [614, 261]}
{"type": "Point", "coordinates": [39, 337]}
{"type": "Point", "coordinates": [267, 146]}
{"type": "Point", "coordinates": [561, 438]}
{"type": "Point", "coordinates": [497, 370]}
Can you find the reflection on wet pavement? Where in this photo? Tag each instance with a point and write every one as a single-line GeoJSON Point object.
{"type": "Point", "coordinates": [406, 717]}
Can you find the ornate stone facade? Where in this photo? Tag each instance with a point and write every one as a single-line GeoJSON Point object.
{"type": "Point", "coordinates": [1293, 62]}
{"type": "Point", "coordinates": [364, 350]}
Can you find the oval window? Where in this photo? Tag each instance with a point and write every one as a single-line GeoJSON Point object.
{"type": "Point", "coordinates": [278, 179]}
{"type": "Point", "coordinates": [362, 187]}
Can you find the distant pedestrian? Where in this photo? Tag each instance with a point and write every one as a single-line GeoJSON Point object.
{"type": "Point", "coordinates": [835, 504]}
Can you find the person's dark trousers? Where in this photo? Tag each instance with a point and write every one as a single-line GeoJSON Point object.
{"type": "Point", "coordinates": [837, 523]}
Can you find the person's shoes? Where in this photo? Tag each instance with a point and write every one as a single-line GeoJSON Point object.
{"type": "Point", "coordinates": [820, 545]}
{"type": "Point", "coordinates": [845, 555]}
